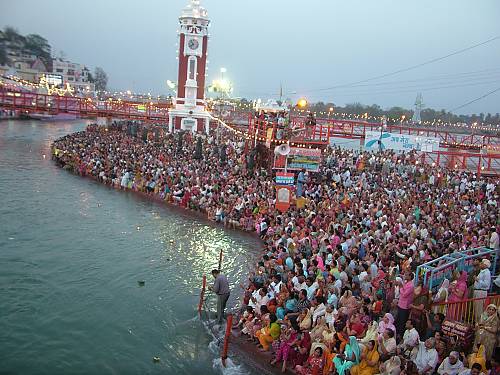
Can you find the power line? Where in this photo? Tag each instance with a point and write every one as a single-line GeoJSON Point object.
{"type": "Point", "coordinates": [475, 100]}
{"type": "Point", "coordinates": [463, 77]}
{"type": "Point", "coordinates": [410, 67]}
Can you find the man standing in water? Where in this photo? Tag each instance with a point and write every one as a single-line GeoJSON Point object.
{"type": "Point", "coordinates": [221, 288]}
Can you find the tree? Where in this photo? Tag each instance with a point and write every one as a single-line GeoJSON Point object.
{"type": "Point", "coordinates": [39, 46]}
{"type": "Point", "coordinates": [4, 60]}
{"type": "Point", "coordinates": [100, 79]}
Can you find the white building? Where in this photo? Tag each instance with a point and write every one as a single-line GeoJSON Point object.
{"type": "Point", "coordinates": [77, 75]}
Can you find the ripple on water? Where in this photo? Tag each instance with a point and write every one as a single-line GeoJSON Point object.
{"type": "Point", "coordinates": [70, 259]}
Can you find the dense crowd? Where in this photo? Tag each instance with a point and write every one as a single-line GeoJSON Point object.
{"type": "Point", "coordinates": [335, 290]}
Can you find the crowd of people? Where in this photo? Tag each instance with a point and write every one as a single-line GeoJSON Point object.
{"type": "Point", "coordinates": [335, 290]}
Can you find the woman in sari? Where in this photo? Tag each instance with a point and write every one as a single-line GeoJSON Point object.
{"type": "Point", "coordinates": [305, 320]}
{"type": "Point", "coordinates": [387, 322]}
{"type": "Point", "coordinates": [369, 360]}
{"type": "Point", "coordinates": [420, 303]}
{"type": "Point", "coordinates": [314, 364]}
{"type": "Point", "coordinates": [441, 297]}
{"type": "Point", "coordinates": [350, 357]}
{"type": "Point", "coordinates": [457, 292]}
{"type": "Point", "coordinates": [477, 356]}
{"type": "Point", "coordinates": [269, 333]}
{"type": "Point", "coordinates": [317, 331]}
{"type": "Point", "coordinates": [487, 330]}
{"type": "Point", "coordinates": [348, 303]}
{"type": "Point", "coordinates": [391, 367]}
{"type": "Point", "coordinates": [300, 355]}
{"type": "Point", "coordinates": [286, 347]}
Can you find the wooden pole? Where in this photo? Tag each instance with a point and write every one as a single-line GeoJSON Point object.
{"type": "Point", "coordinates": [229, 326]}
{"type": "Point", "coordinates": [220, 260]}
{"type": "Point", "coordinates": [202, 295]}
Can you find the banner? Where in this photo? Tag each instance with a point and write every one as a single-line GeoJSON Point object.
{"type": "Point", "coordinates": [400, 142]}
{"type": "Point", "coordinates": [309, 159]}
{"type": "Point", "coordinates": [283, 197]}
{"type": "Point", "coordinates": [285, 179]}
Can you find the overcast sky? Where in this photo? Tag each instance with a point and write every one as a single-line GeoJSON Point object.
{"type": "Point", "coordinates": [307, 45]}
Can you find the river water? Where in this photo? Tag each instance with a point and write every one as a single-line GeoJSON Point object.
{"type": "Point", "coordinates": [71, 254]}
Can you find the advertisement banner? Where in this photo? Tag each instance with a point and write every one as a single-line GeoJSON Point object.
{"type": "Point", "coordinates": [285, 179]}
{"type": "Point", "coordinates": [283, 197]}
{"type": "Point", "coordinates": [306, 158]}
{"type": "Point", "coordinates": [375, 140]}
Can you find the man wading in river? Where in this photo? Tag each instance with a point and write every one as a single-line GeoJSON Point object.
{"type": "Point", "coordinates": [221, 288]}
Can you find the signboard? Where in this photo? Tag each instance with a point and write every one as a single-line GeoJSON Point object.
{"type": "Point", "coordinates": [54, 79]}
{"type": "Point", "coordinates": [464, 332]}
{"type": "Point", "coordinates": [283, 197]}
{"type": "Point", "coordinates": [285, 179]}
{"type": "Point", "coordinates": [309, 159]}
{"type": "Point", "coordinates": [375, 140]}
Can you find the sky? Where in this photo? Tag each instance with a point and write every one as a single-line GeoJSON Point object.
{"type": "Point", "coordinates": [309, 47]}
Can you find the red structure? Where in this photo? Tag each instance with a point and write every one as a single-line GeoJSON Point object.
{"type": "Point", "coordinates": [26, 102]}
{"type": "Point", "coordinates": [477, 152]}
{"type": "Point", "coordinates": [189, 112]}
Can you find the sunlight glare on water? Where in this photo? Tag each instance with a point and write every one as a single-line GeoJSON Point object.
{"type": "Point", "coordinates": [71, 254]}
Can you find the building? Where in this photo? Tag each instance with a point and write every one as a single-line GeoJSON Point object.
{"type": "Point", "coordinates": [189, 112]}
{"type": "Point", "coordinates": [77, 75]}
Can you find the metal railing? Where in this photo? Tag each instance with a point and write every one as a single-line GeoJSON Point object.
{"type": "Point", "coordinates": [434, 272]}
{"type": "Point", "coordinates": [465, 311]}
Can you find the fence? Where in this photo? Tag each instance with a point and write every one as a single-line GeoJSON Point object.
{"type": "Point", "coordinates": [435, 271]}
{"type": "Point", "coordinates": [463, 311]}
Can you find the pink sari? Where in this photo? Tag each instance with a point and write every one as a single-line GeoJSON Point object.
{"type": "Point", "coordinates": [456, 294]}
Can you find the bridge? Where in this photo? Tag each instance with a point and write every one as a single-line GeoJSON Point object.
{"type": "Point", "coordinates": [478, 152]}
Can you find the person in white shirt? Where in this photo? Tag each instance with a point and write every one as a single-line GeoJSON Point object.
{"type": "Point", "coordinates": [311, 288]}
{"type": "Point", "coordinates": [427, 357]}
{"type": "Point", "coordinates": [451, 365]}
{"type": "Point", "coordinates": [481, 287]}
{"type": "Point", "coordinates": [411, 338]}
{"type": "Point", "coordinates": [319, 308]}
{"type": "Point", "coordinates": [301, 284]}
{"type": "Point", "coordinates": [475, 369]}
{"type": "Point", "coordinates": [494, 239]}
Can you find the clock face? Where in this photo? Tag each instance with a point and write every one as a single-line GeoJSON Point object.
{"type": "Point", "coordinates": [193, 44]}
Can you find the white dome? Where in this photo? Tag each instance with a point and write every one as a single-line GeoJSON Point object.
{"type": "Point", "coordinates": [194, 10]}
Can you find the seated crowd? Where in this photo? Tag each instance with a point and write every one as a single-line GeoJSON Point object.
{"type": "Point", "coordinates": [335, 290]}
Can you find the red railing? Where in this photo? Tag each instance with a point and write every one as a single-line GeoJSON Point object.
{"type": "Point", "coordinates": [355, 129]}
{"type": "Point", "coordinates": [50, 104]}
{"type": "Point", "coordinates": [465, 311]}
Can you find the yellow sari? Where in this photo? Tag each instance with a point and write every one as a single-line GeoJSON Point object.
{"type": "Point", "coordinates": [364, 368]}
{"type": "Point", "coordinates": [478, 357]}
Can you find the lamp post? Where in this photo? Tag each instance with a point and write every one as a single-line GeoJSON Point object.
{"type": "Point", "coordinates": [301, 103]}
{"type": "Point", "coordinates": [330, 111]}
{"type": "Point", "coordinates": [383, 126]}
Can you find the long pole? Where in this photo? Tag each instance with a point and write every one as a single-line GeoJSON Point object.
{"type": "Point", "coordinates": [229, 326]}
{"type": "Point", "coordinates": [202, 294]}
{"type": "Point", "coordinates": [220, 260]}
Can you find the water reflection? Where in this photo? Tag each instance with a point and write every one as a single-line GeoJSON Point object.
{"type": "Point", "coordinates": [71, 254]}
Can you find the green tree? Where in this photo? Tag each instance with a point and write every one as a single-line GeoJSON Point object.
{"type": "Point", "coordinates": [39, 46]}
{"type": "Point", "coordinates": [4, 60]}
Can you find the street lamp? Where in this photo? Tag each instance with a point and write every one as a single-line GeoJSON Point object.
{"type": "Point", "coordinates": [301, 104]}
{"type": "Point", "coordinates": [330, 111]}
{"type": "Point", "coordinates": [383, 126]}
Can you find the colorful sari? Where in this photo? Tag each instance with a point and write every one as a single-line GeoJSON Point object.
{"type": "Point", "coordinates": [351, 357]}
{"type": "Point", "coordinates": [364, 368]}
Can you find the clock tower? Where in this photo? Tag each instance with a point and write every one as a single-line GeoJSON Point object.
{"type": "Point", "coordinates": [189, 112]}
